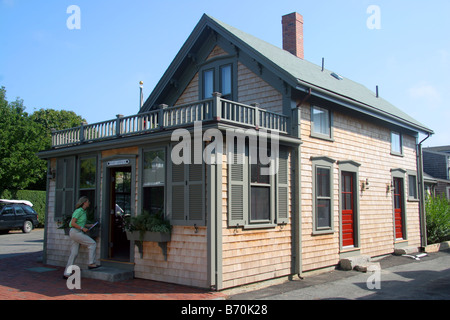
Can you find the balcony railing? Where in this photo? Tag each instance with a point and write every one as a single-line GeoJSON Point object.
{"type": "Point", "coordinates": [172, 117]}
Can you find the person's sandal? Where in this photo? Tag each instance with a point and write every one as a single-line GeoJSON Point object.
{"type": "Point", "coordinates": [93, 267]}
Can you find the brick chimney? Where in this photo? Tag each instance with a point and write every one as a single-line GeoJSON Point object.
{"type": "Point", "coordinates": [293, 34]}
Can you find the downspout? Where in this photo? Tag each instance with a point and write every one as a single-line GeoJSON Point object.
{"type": "Point", "coordinates": [422, 213]}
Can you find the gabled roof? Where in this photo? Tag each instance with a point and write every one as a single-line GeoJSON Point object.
{"type": "Point", "coordinates": [300, 74]}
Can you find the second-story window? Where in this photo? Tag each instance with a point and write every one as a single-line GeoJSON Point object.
{"type": "Point", "coordinates": [225, 81]}
{"type": "Point", "coordinates": [396, 143]}
{"type": "Point", "coordinates": [208, 83]}
{"type": "Point", "coordinates": [321, 123]}
{"type": "Point", "coordinates": [217, 78]}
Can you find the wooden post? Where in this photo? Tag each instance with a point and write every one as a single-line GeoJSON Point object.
{"type": "Point", "coordinates": [82, 132]}
{"type": "Point", "coordinates": [217, 106]}
{"type": "Point", "coordinates": [118, 124]}
{"type": "Point", "coordinates": [161, 121]}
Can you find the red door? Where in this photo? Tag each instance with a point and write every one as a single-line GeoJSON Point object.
{"type": "Point", "coordinates": [398, 207]}
{"type": "Point", "coordinates": [348, 203]}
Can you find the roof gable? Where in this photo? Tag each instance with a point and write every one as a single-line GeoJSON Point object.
{"type": "Point", "coordinates": [298, 73]}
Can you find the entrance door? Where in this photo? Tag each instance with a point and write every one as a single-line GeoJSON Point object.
{"type": "Point", "coordinates": [120, 208]}
{"type": "Point", "coordinates": [398, 207]}
{"type": "Point", "coordinates": [348, 206]}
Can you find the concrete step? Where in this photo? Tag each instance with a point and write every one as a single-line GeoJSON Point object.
{"type": "Point", "coordinates": [108, 274]}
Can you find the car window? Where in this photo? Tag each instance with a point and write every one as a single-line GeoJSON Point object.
{"type": "Point", "coordinates": [8, 210]}
{"type": "Point", "coordinates": [19, 210]}
{"type": "Point", "coordinates": [28, 209]}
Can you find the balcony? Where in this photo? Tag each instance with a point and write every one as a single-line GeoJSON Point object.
{"type": "Point", "coordinates": [167, 118]}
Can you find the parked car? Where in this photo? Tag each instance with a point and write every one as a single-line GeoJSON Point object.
{"type": "Point", "coordinates": [17, 214]}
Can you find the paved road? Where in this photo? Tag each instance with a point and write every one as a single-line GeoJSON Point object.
{"type": "Point", "coordinates": [401, 278]}
{"type": "Point", "coordinates": [17, 242]}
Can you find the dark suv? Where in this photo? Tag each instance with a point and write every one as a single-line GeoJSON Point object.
{"type": "Point", "coordinates": [17, 215]}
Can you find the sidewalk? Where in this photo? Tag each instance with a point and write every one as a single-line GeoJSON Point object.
{"type": "Point", "coordinates": [23, 277]}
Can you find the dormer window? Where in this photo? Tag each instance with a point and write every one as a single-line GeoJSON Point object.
{"type": "Point", "coordinates": [217, 77]}
{"type": "Point", "coordinates": [208, 83]}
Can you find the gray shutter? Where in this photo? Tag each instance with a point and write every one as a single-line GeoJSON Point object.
{"type": "Point", "coordinates": [65, 187]}
{"type": "Point", "coordinates": [237, 190]}
{"type": "Point", "coordinates": [283, 187]}
{"type": "Point", "coordinates": [196, 193]}
{"type": "Point", "coordinates": [188, 195]}
{"type": "Point", "coordinates": [177, 188]}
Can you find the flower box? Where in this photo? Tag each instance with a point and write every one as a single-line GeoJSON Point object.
{"type": "Point", "coordinates": [149, 236]}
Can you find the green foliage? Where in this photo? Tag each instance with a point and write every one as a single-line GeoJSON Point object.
{"type": "Point", "coordinates": [37, 198]}
{"type": "Point", "coordinates": [438, 219]}
{"type": "Point", "coordinates": [22, 136]}
{"type": "Point", "coordinates": [148, 222]}
{"type": "Point", "coordinates": [50, 119]}
{"type": "Point", "coordinates": [20, 141]}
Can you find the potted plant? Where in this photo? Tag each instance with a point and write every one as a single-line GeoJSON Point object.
{"type": "Point", "coordinates": [63, 224]}
{"type": "Point", "coordinates": [148, 227]}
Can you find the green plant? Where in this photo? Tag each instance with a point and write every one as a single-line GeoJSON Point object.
{"type": "Point", "coordinates": [153, 222]}
{"type": "Point", "coordinates": [63, 223]}
{"type": "Point", "coordinates": [438, 219]}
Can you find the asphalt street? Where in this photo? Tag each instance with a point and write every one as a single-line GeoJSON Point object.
{"type": "Point", "coordinates": [400, 278]}
{"type": "Point", "coordinates": [16, 242]}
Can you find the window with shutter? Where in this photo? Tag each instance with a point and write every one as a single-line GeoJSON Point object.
{"type": "Point", "coordinates": [255, 199]}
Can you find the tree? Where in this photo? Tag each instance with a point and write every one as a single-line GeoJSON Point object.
{"type": "Point", "coordinates": [22, 136]}
{"type": "Point", "coordinates": [20, 140]}
{"type": "Point", "coordinates": [55, 119]}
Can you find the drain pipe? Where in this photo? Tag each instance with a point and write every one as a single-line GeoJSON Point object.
{"type": "Point", "coordinates": [421, 184]}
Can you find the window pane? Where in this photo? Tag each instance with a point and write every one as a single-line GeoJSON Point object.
{"type": "Point", "coordinates": [260, 203]}
{"type": "Point", "coordinates": [323, 182]}
{"type": "Point", "coordinates": [123, 181]}
{"type": "Point", "coordinates": [256, 176]}
{"type": "Point", "coordinates": [154, 168]}
{"type": "Point", "coordinates": [153, 200]}
{"type": "Point", "coordinates": [225, 80]}
{"type": "Point", "coordinates": [208, 84]}
{"type": "Point", "coordinates": [321, 121]}
{"type": "Point", "coordinates": [396, 143]}
{"type": "Point", "coordinates": [323, 214]}
{"type": "Point", "coordinates": [412, 187]}
{"type": "Point", "coordinates": [87, 173]}
{"type": "Point", "coordinates": [91, 210]}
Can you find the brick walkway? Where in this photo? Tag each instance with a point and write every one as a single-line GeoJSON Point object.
{"type": "Point", "coordinates": [22, 277]}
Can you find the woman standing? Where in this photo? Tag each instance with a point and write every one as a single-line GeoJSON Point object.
{"type": "Point", "coordinates": [78, 236]}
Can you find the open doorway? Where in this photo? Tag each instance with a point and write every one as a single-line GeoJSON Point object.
{"type": "Point", "coordinates": [120, 207]}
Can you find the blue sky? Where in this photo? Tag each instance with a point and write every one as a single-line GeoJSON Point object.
{"type": "Point", "coordinates": [95, 70]}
